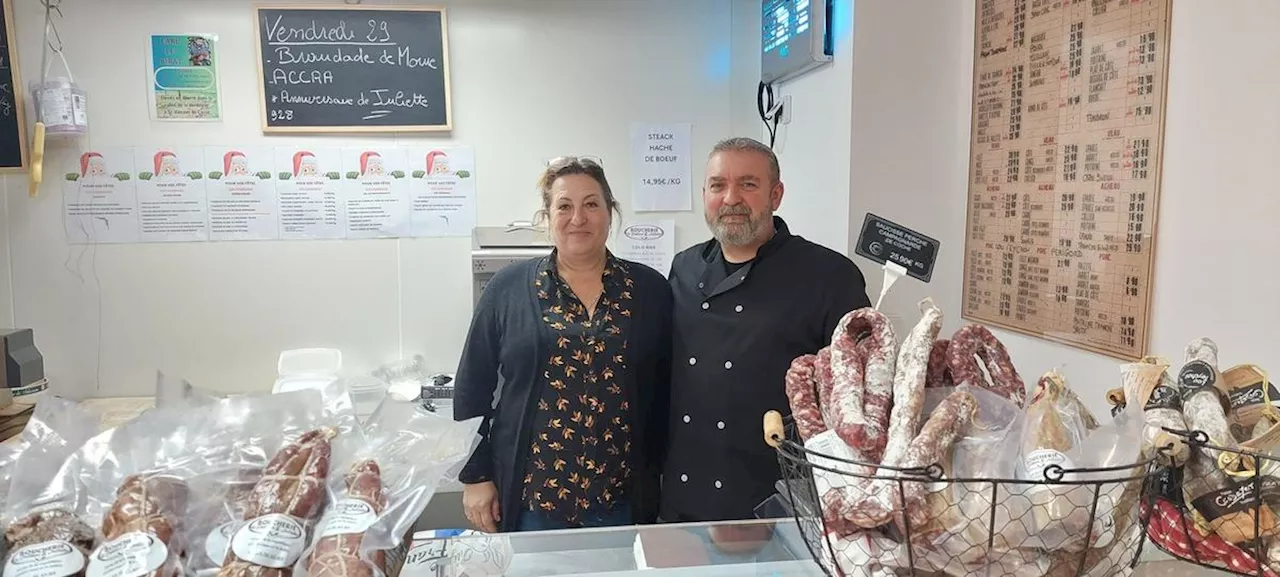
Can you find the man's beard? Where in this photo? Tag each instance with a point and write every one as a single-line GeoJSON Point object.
{"type": "Point", "coordinates": [736, 233]}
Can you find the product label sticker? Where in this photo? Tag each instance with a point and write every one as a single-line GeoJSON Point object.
{"type": "Point", "coordinates": [1040, 459]}
{"type": "Point", "coordinates": [1236, 498]}
{"type": "Point", "coordinates": [1164, 397]}
{"type": "Point", "coordinates": [48, 559]}
{"type": "Point", "coordinates": [271, 541]}
{"type": "Point", "coordinates": [216, 544]}
{"type": "Point", "coordinates": [829, 444]}
{"type": "Point", "coordinates": [130, 555]}
{"type": "Point", "coordinates": [347, 516]}
{"type": "Point", "coordinates": [1195, 376]}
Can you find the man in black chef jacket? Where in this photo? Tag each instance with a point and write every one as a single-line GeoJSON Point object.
{"type": "Point", "coordinates": [747, 303]}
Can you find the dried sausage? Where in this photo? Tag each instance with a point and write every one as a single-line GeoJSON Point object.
{"type": "Point", "coordinates": [1149, 385]}
{"type": "Point", "coordinates": [880, 496]}
{"type": "Point", "coordinates": [908, 383]}
{"type": "Point", "coordinates": [1202, 401]}
{"type": "Point", "coordinates": [939, 373]}
{"type": "Point", "coordinates": [862, 364]}
{"type": "Point", "coordinates": [337, 549]}
{"type": "Point", "coordinates": [825, 382]}
{"type": "Point", "coordinates": [977, 340]}
{"type": "Point", "coordinates": [944, 426]}
{"type": "Point", "coordinates": [802, 393]}
{"type": "Point", "coordinates": [284, 501]}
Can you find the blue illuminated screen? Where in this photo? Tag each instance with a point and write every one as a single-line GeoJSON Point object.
{"type": "Point", "coordinates": [784, 20]}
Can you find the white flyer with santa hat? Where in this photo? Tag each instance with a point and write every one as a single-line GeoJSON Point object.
{"type": "Point", "coordinates": [442, 189]}
{"type": "Point", "coordinates": [172, 205]}
{"type": "Point", "coordinates": [241, 188]}
{"type": "Point", "coordinates": [99, 198]}
{"type": "Point", "coordinates": [375, 192]}
{"type": "Point", "coordinates": [309, 188]}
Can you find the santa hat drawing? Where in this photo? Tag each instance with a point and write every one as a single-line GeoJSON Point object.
{"type": "Point", "coordinates": [437, 162]}
{"type": "Point", "coordinates": [161, 157]}
{"type": "Point", "coordinates": [229, 158]}
{"type": "Point", "coordinates": [86, 159]}
{"type": "Point", "coordinates": [365, 157]}
{"type": "Point", "coordinates": [301, 158]}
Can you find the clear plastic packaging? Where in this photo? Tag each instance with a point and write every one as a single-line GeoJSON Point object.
{"type": "Point", "coordinates": [1057, 423]}
{"type": "Point", "coordinates": [57, 428]}
{"type": "Point", "coordinates": [269, 431]}
{"type": "Point", "coordinates": [257, 427]}
{"type": "Point", "coordinates": [172, 391]}
{"type": "Point", "coordinates": [378, 490]}
{"type": "Point", "coordinates": [45, 542]}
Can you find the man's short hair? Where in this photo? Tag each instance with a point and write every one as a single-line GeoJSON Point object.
{"type": "Point", "coordinates": [744, 144]}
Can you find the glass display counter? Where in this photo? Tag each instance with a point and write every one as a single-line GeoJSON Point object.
{"type": "Point", "coordinates": [758, 548]}
{"type": "Point", "coordinates": [738, 548]}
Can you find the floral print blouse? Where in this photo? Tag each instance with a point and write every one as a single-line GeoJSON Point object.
{"type": "Point", "coordinates": [581, 441]}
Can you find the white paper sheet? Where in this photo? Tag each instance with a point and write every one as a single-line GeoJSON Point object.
{"type": "Point", "coordinates": [661, 169]}
{"type": "Point", "coordinates": [172, 204]}
{"type": "Point", "coordinates": [99, 197]}
{"type": "Point", "coordinates": [309, 187]}
{"type": "Point", "coordinates": [442, 190]}
{"type": "Point", "coordinates": [376, 192]}
{"type": "Point", "coordinates": [652, 243]}
{"type": "Point", "coordinates": [241, 187]}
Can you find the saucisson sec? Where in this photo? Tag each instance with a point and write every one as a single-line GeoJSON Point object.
{"type": "Point", "coordinates": [803, 397]}
{"type": "Point", "coordinates": [939, 373]}
{"type": "Point", "coordinates": [909, 381]}
{"type": "Point", "coordinates": [1149, 385]}
{"type": "Point", "coordinates": [946, 423]}
{"type": "Point", "coordinates": [973, 342]}
{"type": "Point", "coordinates": [881, 496]}
{"type": "Point", "coordinates": [862, 364]}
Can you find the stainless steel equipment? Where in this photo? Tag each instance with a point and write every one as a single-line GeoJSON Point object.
{"type": "Point", "coordinates": [496, 247]}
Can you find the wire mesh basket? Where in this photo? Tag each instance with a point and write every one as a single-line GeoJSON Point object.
{"type": "Point", "coordinates": [1219, 508]}
{"type": "Point", "coordinates": [1075, 522]}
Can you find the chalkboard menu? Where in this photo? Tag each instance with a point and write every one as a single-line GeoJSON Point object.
{"type": "Point", "coordinates": [354, 69]}
{"type": "Point", "coordinates": [13, 149]}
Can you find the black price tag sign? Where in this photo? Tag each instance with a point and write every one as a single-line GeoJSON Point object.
{"type": "Point", "coordinates": [885, 241]}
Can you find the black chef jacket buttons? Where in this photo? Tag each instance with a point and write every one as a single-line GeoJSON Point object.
{"type": "Point", "coordinates": [693, 360]}
{"type": "Point", "coordinates": [719, 425]}
{"type": "Point", "coordinates": [686, 418]}
{"type": "Point", "coordinates": [737, 309]}
{"type": "Point", "coordinates": [706, 306]}
{"type": "Point", "coordinates": [719, 484]}
{"type": "Point", "coordinates": [728, 365]}
{"type": "Point", "coordinates": [684, 478]}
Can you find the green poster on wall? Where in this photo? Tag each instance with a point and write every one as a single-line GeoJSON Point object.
{"type": "Point", "coordinates": [184, 77]}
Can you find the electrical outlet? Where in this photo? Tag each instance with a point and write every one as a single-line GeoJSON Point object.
{"type": "Point", "coordinates": [786, 109]}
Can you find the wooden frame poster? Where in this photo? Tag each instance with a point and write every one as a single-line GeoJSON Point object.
{"type": "Point", "coordinates": [13, 121]}
{"type": "Point", "coordinates": [1064, 175]}
{"type": "Point", "coordinates": [355, 68]}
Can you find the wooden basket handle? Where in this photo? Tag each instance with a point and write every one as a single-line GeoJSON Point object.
{"type": "Point", "coordinates": [773, 434]}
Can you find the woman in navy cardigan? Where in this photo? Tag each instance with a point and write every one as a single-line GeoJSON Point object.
{"type": "Point", "coordinates": [577, 346]}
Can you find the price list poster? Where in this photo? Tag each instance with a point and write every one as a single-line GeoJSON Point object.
{"type": "Point", "coordinates": [1067, 136]}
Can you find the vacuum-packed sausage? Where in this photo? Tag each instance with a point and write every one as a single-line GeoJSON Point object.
{"type": "Point", "coordinates": [284, 501]}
